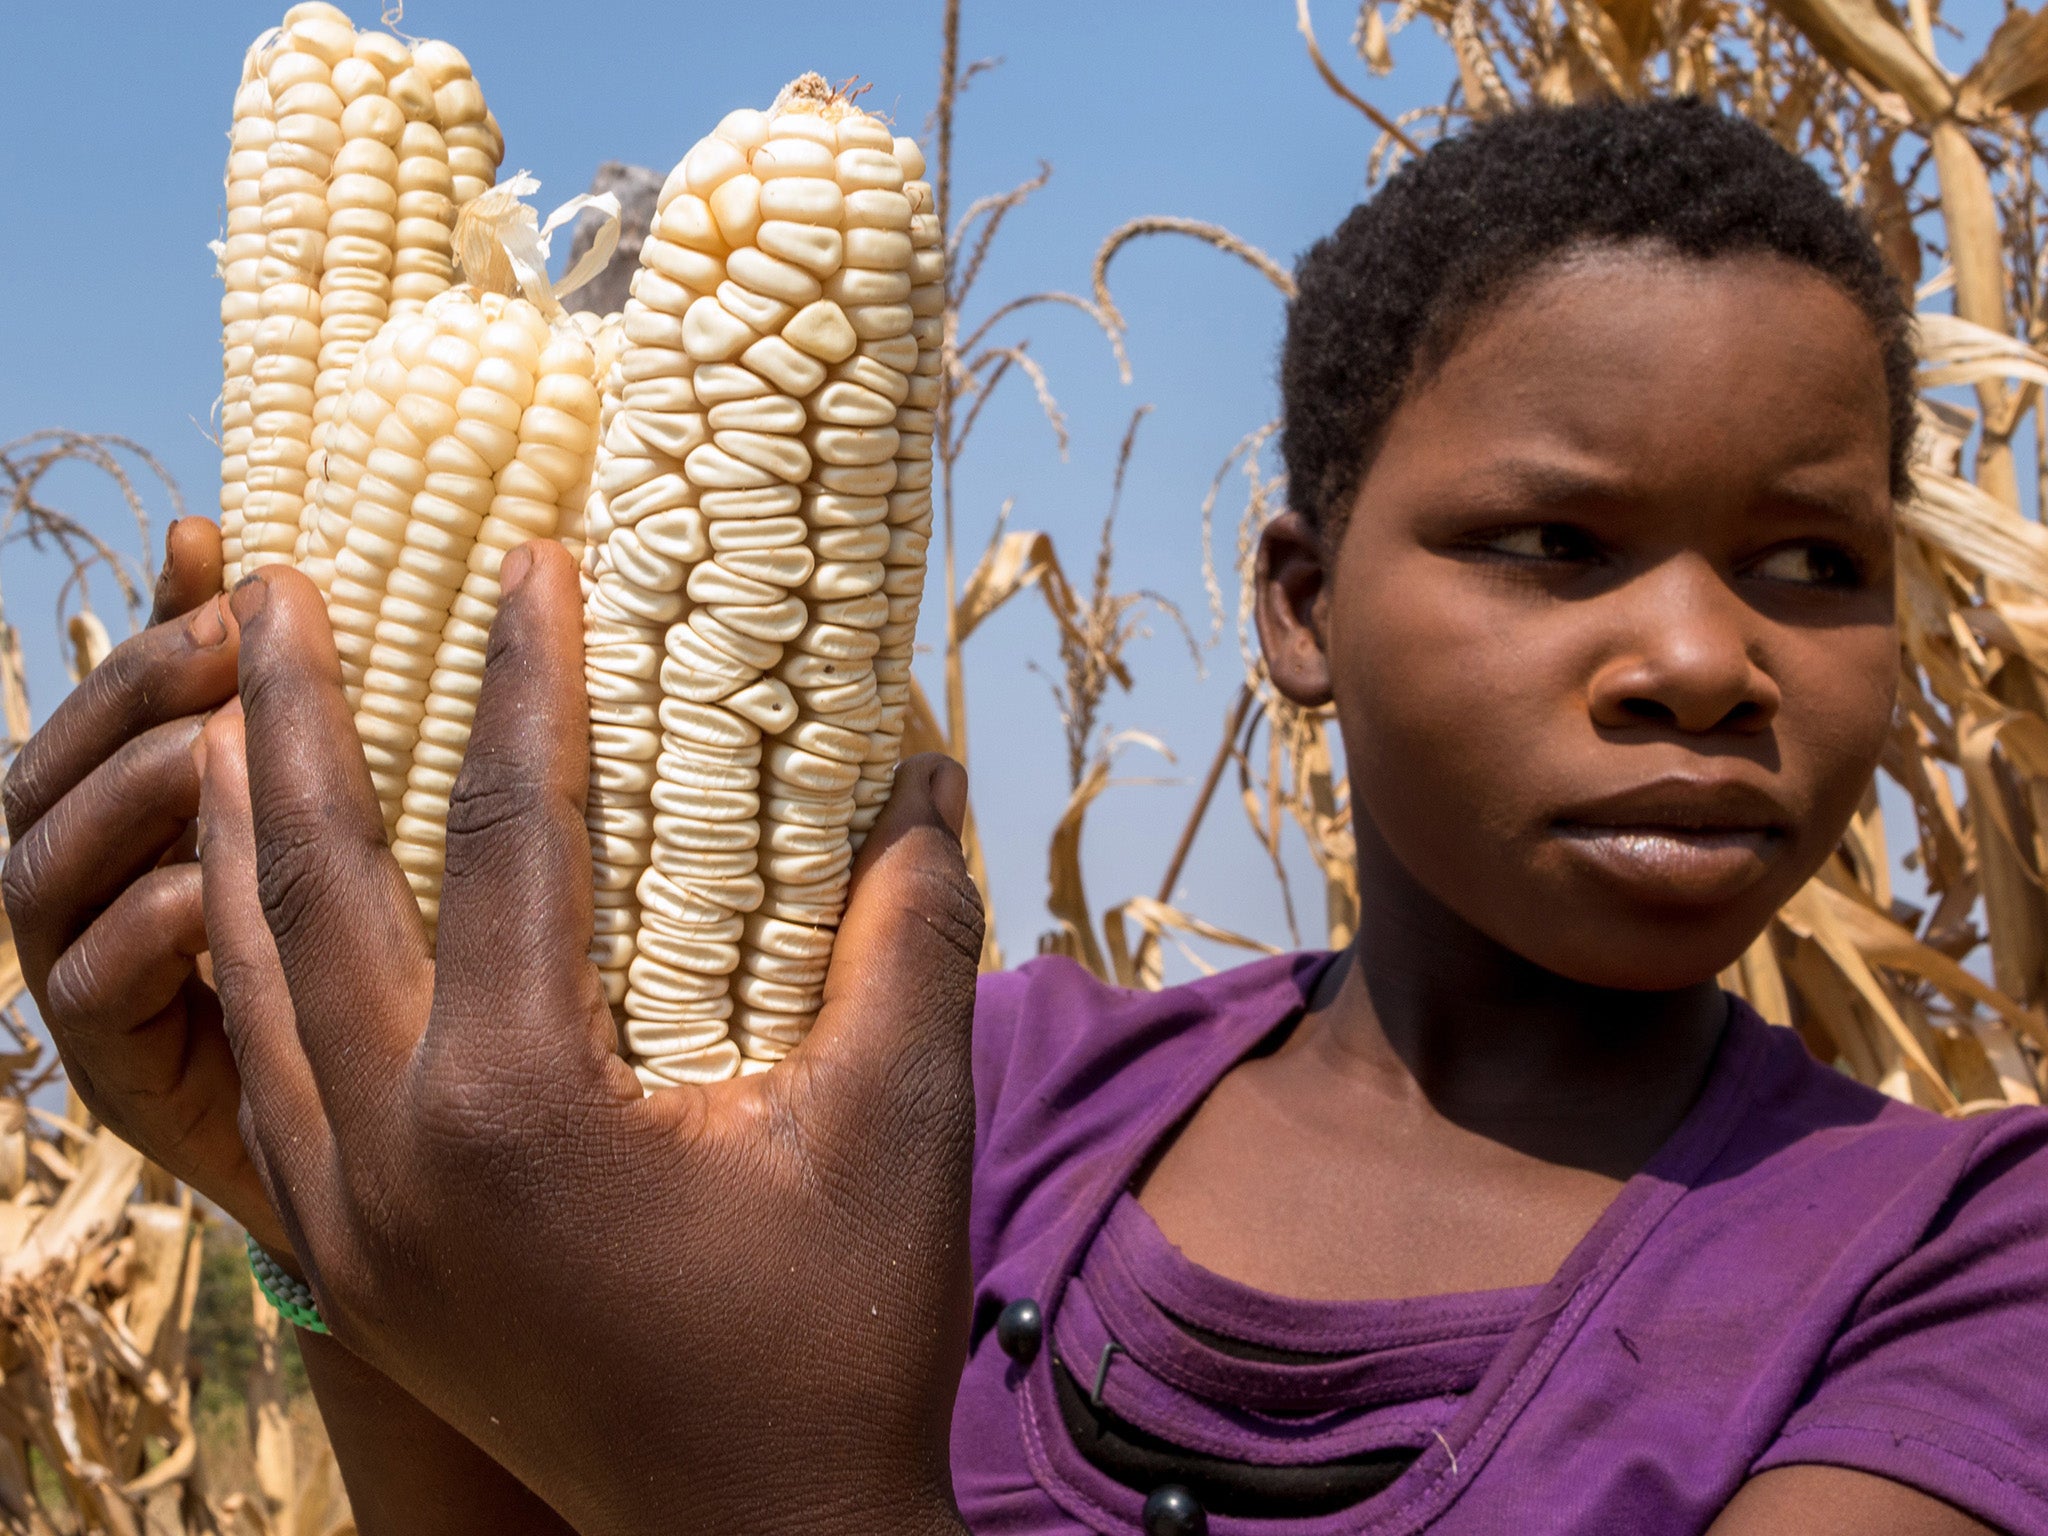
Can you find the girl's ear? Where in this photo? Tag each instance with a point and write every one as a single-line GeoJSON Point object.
{"type": "Point", "coordinates": [1294, 585]}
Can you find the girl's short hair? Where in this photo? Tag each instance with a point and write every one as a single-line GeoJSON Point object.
{"type": "Point", "coordinates": [1383, 300]}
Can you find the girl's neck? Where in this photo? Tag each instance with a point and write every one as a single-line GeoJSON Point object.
{"type": "Point", "coordinates": [1436, 1011]}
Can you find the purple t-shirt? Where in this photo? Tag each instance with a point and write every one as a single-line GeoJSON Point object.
{"type": "Point", "coordinates": [1805, 1272]}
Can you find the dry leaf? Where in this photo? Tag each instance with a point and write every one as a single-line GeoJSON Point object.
{"type": "Point", "coordinates": [1809, 915]}
{"type": "Point", "coordinates": [90, 643]}
{"type": "Point", "coordinates": [14, 689]}
{"type": "Point", "coordinates": [1863, 37]}
{"type": "Point", "coordinates": [1635, 24]}
{"type": "Point", "coordinates": [1067, 897]}
{"type": "Point", "coordinates": [1958, 351]}
{"type": "Point", "coordinates": [2012, 76]}
{"type": "Point", "coordinates": [1371, 39]}
{"type": "Point", "coordinates": [1155, 920]}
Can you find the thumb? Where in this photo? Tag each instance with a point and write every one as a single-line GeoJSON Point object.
{"type": "Point", "coordinates": [191, 569]}
{"type": "Point", "coordinates": [899, 997]}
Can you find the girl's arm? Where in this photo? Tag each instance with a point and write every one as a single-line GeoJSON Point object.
{"type": "Point", "coordinates": [405, 1469]}
{"type": "Point", "coordinates": [739, 1308]}
{"type": "Point", "coordinates": [107, 919]}
{"type": "Point", "coordinates": [1838, 1501]}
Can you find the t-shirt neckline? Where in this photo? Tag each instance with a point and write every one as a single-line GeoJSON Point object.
{"type": "Point", "coordinates": [1525, 1359]}
{"type": "Point", "coordinates": [1189, 1291]}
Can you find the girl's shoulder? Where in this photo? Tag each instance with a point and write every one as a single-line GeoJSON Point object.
{"type": "Point", "coordinates": [1886, 1270]}
{"type": "Point", "coordinates": [1074, 1078]}
{"type": "Point", "coordinates": [1802, 1123]}
{"type": "Point", "coordinates": [1050, 1033]}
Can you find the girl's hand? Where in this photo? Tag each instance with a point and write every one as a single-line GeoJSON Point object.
{"type": "Point", "coordinates": [105, 901]}
{"type": "Point", "coordinates": [104, 897]}
{"type": "Point", "coordinates": [732, 1309]}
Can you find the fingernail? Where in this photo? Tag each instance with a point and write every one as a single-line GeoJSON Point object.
{"type": "Point", "coordinates": [518, 562]}
{"type": "Point", "coordinates": [163, 575]}
{"type": "Point", "coordinates": [207, 628]}
{"type": "Point", "coordinates": [249, 597]}
{"type": "Point", "coordinates": [949, 794]}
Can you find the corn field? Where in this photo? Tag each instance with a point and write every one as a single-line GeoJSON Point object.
{"type": "Point", "coordinates": [1939, 1003]}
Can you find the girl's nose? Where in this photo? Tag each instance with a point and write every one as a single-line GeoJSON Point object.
{"type": "Point", "coordinates": [1683, 657]}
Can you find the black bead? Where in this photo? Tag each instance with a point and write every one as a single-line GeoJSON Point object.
{"type": "Point", "coordinates": [1172, 1511]}
{"type": "Point", "coordinates": [1020, 1329]}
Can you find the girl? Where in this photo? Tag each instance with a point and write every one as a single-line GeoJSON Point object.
{"type": "Point", "coordinates": [1505, 1220]}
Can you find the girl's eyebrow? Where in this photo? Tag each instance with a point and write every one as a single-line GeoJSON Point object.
{"type": "Point", "coordinates": [1856, 513]}
{"type": "Point", "coordinates": [1522, 485]}
{"type": "Point", "coordinates": [1526, 486]}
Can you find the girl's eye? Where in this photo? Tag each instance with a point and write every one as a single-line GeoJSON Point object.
{"type": "Point", "coordinates": [1810, 565]}
{"type": "Point", "coordinates": [1542, 541]}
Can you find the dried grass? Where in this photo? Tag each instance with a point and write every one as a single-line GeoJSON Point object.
{"type": "Point", "coordinates": [29, 518]}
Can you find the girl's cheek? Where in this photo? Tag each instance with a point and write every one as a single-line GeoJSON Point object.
{"type": "Point", "coordinates": [1449, 729]}
{"type": "Point", "coordinates": [1838, 711]}
{"type": "Point", "coordinates": [1428, 650]}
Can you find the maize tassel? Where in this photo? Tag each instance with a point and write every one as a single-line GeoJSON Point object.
{"type": "Point", "coordinates": [745, 572]}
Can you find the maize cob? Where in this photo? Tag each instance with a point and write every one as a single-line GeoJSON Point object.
{"type": "Point", "coordinates": [755, 543]}
{"type": "Point", "coordinates": [306, 137]}
{"type": "Point", "coordinates": [340, 205]}
{"type": "Point", "coordinates": [355, 275]}
{"type": "Point", "coordinates": [464, 430]}
{"type": "Point", "coordinates": [241, 258]}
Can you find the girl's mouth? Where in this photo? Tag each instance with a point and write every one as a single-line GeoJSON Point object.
{"type": "Point", "coordinates": [1677, 841]}
{"type": "Point", "coordinates": [1683, 864]}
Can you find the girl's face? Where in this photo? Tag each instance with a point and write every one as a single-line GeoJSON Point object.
{"type": "Point", "coordinates": [1609, 628]}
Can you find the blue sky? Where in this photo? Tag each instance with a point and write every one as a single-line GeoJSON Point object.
{"type": "Point", "coordinates": [112, 124]}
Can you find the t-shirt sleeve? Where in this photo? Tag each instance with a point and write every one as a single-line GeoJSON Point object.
{"type": "Point", "coordinates": [1940, 1379]}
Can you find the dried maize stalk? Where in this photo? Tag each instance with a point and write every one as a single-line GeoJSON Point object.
{"type": "Point", "coordinates": [342, 186]}
{"type": "Point", "coordinates": [462, 431]}
{"type": "Point", "coordinates": [756, 551]}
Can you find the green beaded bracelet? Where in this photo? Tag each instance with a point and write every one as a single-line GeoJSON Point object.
{"type": "Point", "coordinates": [292, 1297]}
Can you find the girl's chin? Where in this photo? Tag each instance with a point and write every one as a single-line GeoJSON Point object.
{"type": "Point", "coordinates": [1639, 934]}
